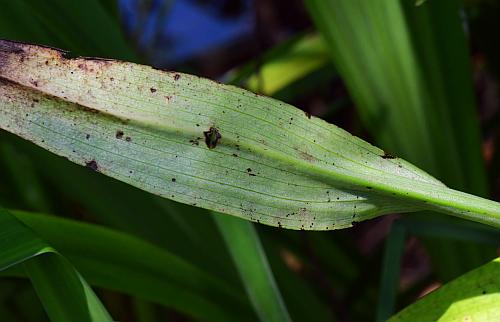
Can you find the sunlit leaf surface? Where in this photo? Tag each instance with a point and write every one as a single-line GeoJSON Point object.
{"type": "Point", "coordinates": [211, 145]}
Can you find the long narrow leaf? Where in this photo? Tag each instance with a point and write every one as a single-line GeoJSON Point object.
{"type": "Point", "coordinates": [250, 259]}
{"type": "Point", "coordinates": [63, 292]}
{"type": "Point", "coordinates": [117, 261]}
{"type": "Point", "coordinates": [211, 145]}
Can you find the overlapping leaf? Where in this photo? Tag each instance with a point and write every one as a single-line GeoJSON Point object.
{"type": "Point", "coordinates": [65, 295]}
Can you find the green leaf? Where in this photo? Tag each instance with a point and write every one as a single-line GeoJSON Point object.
{"type": "Point", "coordinates": [471, 297]}
{"type": "Point", "coordinates": [63, 292]}
{"type": "Point", "coordinates": [250, 259]}
{"type": "Point", "coordinates": [120, 262]}
{"type": "Point", "coordinates": [407, 69]}
{"type": "Point", "coordinates": [284, 65]}
{"type": "Point", "coordinates": [88, 28]}
{"type": "Point", "coordinates": [211, 145]}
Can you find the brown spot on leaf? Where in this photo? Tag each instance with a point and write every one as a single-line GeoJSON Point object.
{"type": "Point", "coordinates": [387, 156]}
{"type": "Point", "coordinates": [119, 134]}
{"type": "Point", "coordinates": [176, 77]}
{"type": "Point", "coordinates": [152, 90]}
{"type": "Point", "coordinates": [92, 164]}
{"type": "Point", "coordinates": [89, 109]}
{"type": "Point", "coordinates": [212, 137]}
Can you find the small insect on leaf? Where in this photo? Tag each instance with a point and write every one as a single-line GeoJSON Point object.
{"type": "Point", "coordinates": [212, 137]}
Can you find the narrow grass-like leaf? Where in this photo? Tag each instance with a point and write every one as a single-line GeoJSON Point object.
{"type": "Point", "coordinates": [117, 261]}
{"type": "Point", "coordinates": [471, 297]}
{"type": "Point", "coordinates": [62, 291]}
{"type": "Point", "coordinates": [211, 145]}
{"type": "Point", "coordinates": [250, 259]}
{"type": "Point", "coordinates": [391, 268]}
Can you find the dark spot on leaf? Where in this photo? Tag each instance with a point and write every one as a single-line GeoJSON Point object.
{"type": "Point", "coordinates": [212, 137]}
{"type": "Point", "coordinates": [387, 156]}
{"type": "Point", "coordinates": [173, 180]}
{"type": "Point", "coordinates": [88, 109]}
{"type": "Point", "coordinates": [249, 170]}
{"type": "Point", "coordinates": [152, 90]}
{"type": "Point", "coordinates": [119, 134]}
{"type": "Point", "coordinates": [128, 139]}
{"type": "Point", "coordinates": [369, 188]}
{"type": "Point", "coordinates": [87, 136]}
{"type": "Point", "coordinates": [176, 77]}
{"type": "Point", "coordinates": [308, 115]}
{"type": "Point", "coordinates": [92, 165]}
{"type": "Point", "coordinates": [235, 155]}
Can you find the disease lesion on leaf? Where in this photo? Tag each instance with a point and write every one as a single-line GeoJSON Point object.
{"type": "Point", "coordinates": [212, 137]}
{"type": "Point", "coordinates": [387, 155]}
{"type": "Point", "coordinates": [92, 164]}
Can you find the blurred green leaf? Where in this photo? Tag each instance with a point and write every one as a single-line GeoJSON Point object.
{"type": "Point", "coordinates": [63, 292]}
{"type": "Point", "coordinates": [113, 260]}
{"type": "Point", "coordinates": [391, 267]}
{"type": "Point", "coordinates": [471, 297]}
{"type": "Point", "coordinates": [283, 65]}
{"type": "Point", "coordinates": [89, 28]}
{"type": "Point", "coordinates": [250, 259]}
{"type": "Point", "coordinates": [24, 178]}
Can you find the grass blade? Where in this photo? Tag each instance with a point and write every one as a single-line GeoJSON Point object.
{"type": "Point", "coordinates": [391, 268]}
{"type": "Point", "coordinates": [117, 261]}
{"type": "Point", "coordinates": [249, 256]}
{"type": "Point", "coordinates": [146, 127]}
{"type": "Point", "coordinates": [71, 300]}
{"type": "Point", "coordinates": [63, 292]}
